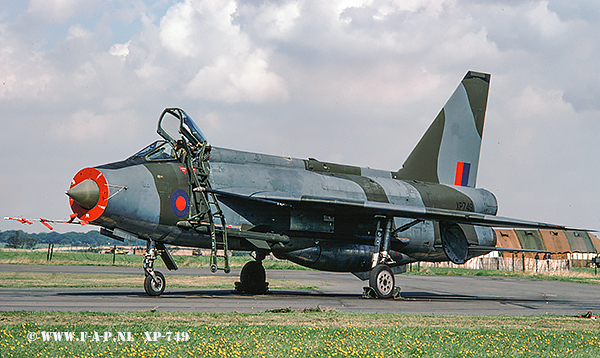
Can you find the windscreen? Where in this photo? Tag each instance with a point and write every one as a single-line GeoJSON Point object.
{"type": "Point", "coordinates": [158, 150]}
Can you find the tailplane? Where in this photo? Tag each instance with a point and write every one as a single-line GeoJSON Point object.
{"type": "Point", "coordinates": [448, 153]}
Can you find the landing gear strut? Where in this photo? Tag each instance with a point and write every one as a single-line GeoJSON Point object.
{"type": "Point", "coordinates": [381, 280]}
{"type": "Point", "coordinates": [154, 282]}
{"type": "Point", "coordinates": [253, 277]}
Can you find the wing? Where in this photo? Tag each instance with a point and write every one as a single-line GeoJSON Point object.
{"type": "Point", "coordinates": [335, 206]}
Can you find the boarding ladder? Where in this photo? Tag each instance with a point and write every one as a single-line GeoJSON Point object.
{"type": "Point", "coordinates": [205, 204]}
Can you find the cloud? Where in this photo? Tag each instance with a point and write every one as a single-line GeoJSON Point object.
{"type": "Point", "coordinates": [545, 21]}
{"type": "Point", "coordinates": [269, 20]}
{"type": "Point", "coordinates": [85, 126]}
{"type": "Point", "coordinates": [78, 32]}
{"type": "Point", "coordinates": [539, 102]}
{"type": "Point", "coordinates": [231, 68]}
{"type": "Point", "coordinates": [24, 72]}
{"type": "Point", "coordinates": [202, 29]}
{"type": "Point", "coordinates": [120, 50]}
{"type": "Point", "coordinates": [58, 10]}
{"type": "Point", "coordinates": [306, 76]}
{"type": "Point", "coordinates": [235, 79]}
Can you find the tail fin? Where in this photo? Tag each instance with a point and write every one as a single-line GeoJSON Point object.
{"type": "Point", "coordinates": [448, 153]}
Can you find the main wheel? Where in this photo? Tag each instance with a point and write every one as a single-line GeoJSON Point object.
{"type": "Point", "coordinates": [155, 288]}
{"type": "Point", "coordinates": [382, 281]}
{"type": "Point", "coordinates": [253, 278]}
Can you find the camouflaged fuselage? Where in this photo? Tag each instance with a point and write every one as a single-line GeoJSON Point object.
{"type": "Point", "coordinates": [338, 241]}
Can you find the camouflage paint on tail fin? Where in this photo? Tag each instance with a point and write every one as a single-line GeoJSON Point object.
{"type": "Point", "coordinates": [448, 153]}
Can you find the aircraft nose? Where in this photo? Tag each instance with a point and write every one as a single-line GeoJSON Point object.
{"type": "Point", "coordinates": [86, 193]}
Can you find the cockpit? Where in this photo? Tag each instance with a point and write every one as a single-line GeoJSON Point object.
{"type": "Point", "coordinates": [174, 123]}
{"type": "Point", "coordinates": [176, 128]}
{"type": "Point", "coordinates": [157, 151]}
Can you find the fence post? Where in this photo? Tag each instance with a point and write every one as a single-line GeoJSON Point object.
{"type": "Point", "coordinates": [50, 251]}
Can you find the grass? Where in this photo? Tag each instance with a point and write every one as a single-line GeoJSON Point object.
{"type": "Point", "coordinates": [77, 280]}
{"type": "Point", "coordinates": [576, 275]}
{"type": "Point", "coordinates": [29, 257]}
{"type": "Point", "coordinates": [313, 333]}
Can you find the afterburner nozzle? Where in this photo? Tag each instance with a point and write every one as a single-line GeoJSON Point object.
{"type": "Point", "coordinates": [86, 193]}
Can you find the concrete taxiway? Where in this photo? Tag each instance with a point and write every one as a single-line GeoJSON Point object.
{"type": "Point", "coordinates": [341, 292]}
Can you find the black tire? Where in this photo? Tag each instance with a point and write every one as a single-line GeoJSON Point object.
{"type": "Point", "coordinates": [382, 281]}
{"type": "Point", "coordinates": [253, 278]}
{"type": "Point", "coordinates": [155, 288]}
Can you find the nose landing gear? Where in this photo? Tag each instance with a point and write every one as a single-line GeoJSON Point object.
{"type": "Point", "coordinates": [155, 282]}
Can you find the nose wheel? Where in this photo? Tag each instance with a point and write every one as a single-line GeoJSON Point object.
{"type": "Point", "coordinates": [155, 282]}
{"type": "Point", "coordinates": [155, 286]}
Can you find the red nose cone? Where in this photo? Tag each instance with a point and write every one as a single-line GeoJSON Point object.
{"type": "Point", "coordinates": [88, 194]}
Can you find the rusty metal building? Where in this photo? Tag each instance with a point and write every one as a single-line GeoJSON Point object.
{"type": "Point", "coordinates": [572, 245]}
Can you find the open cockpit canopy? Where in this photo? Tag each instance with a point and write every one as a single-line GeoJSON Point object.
{"type": "Point", "coordinates": [174, 121]}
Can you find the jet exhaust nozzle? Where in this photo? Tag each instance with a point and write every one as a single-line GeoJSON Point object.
{"type": "Point", "coordinates": [86, 193]}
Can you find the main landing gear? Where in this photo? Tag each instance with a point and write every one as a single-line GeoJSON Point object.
{"type": "Point", "coordinates": [253, 277]}
{"type": "Point", "coordinates": [381, 280]}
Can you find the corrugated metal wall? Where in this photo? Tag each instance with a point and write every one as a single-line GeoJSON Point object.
{"type": "Point", "coordinates": [516, 263]}
{"type": "Point", "coordinates": [560, 241]}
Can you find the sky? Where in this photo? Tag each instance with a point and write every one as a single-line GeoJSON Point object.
{"type": "Point", "coordinates": [82, 83]}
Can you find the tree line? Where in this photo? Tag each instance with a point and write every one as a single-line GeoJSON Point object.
{"type": "Point", "coordinates": [22, 240]}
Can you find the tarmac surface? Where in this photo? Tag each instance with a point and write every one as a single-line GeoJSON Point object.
{"type": "Point", "coordinates": [341, 292]}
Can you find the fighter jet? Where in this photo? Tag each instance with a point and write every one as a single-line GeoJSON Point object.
{"type": "Point", "coordinates": [181, 190]}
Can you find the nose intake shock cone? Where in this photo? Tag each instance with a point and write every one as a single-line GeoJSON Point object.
{"type": "Point", "coordinates": [86, 193]}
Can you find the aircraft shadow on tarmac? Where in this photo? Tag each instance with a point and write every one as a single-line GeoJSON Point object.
{"type": "Point", "coordinates": [522, 301]}
{"type": "Point", "coordinates": [207, 293]}
{"type": "Point", "coordinates": [289, 294]}
{"type": "Point", "coordinates": [428, 296]}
